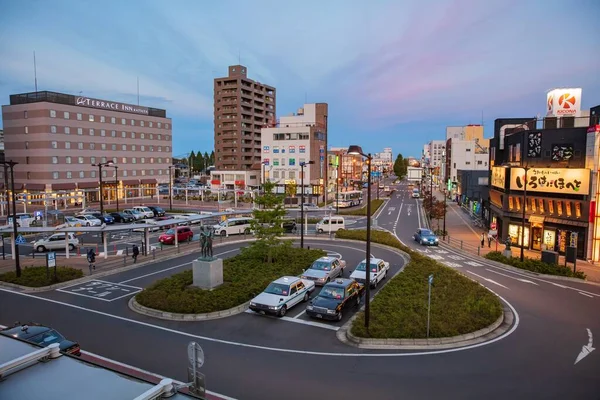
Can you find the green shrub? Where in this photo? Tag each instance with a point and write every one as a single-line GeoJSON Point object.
{"type": "Point", "coordinates": [375, 204]}
{"type": "Point", "coordinates": [38, 276]}
{"type": "Point", "coordinates": [458, 304]}
{"type": "Point", "coordinates": [244, 276]}
{"type": "Point", "coordinates": [534, 265]}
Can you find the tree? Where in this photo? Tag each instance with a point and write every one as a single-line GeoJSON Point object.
{"type": "Point", "coordinates": [437, 212]}
{"type": "Point", "coordinates": [400, 166]}
{"type": "Point", "coordinates": [212, 158]}
{"type": "Point", "coordinates": [191, 161]}
{"type": "Point", "coordinates": [267, 221]}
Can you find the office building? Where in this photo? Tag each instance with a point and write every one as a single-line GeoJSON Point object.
{"type": "Point", "coordinates": [294, 139]}
{"type": "Point", "coordinates": [242, 107]}
{"type": "Point", "coordinates": [56, 137]}
{"type": "Point", "coordinates": [383, 161]}
{"type": "Point", "coordinates": [466, 149]}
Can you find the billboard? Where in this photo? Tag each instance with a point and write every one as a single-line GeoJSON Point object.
{"type": "Point", "coordinates": [499, 177]}
{"type": "Point", "coordinates": [552, 180]}
{"type": "Point", "coordinates": [563, 103]}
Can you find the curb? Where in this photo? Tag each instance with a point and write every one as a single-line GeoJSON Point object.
{"type": "Point", "coordinates": [524, 271]}
{"type": "Point", "coordinates": [102, 274]}
{"type": "Point", "coordinates": [150, 312]}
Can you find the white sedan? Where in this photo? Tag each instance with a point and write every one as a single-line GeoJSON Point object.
{"type": "Point", "coordinates": [325, 269]}
{"type": "Point", "coordinates": [88, 220]}
{"type": "Point", "coordinates": [281, 295]}
{"type": "Point", "coordinates": [378, 268]}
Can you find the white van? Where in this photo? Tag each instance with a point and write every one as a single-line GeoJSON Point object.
{"type": "Point", "coordinates": [330, 224]}
{"type": "Point", "coordinates": [145, 211]}
{"type": "Point", "coordinates": [234, 226]}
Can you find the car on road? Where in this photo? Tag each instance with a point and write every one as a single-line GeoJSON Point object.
{"type": "Point", "coordinates": [426, 237]}
{"type": "Point", "coordinates": [324, 270]}
{"type": "Point", "coordinates": [281, 295]}
{"type": "Point", "coordinates": [145, 211]}
{"type": "Point", "coordinates": [310, 206]}
{"type": "Point", "coordinates": [234, 226]}
{"type": "Point", "coordinates": [43, 336]}
{"type": "Point", "coordinates": [415, 194]}
{"type": "Point", "coordinates": [122, 217]}
{"type": "Point", "coordinates": [378, 271]}
{"type": "Point", "coordinates": [335, 298]}
{"type": "Point", "coordinates": [330, 225]}
{"type": "Point", "coordinates": [88, 220]}
{"type": "Point", "coordinates": [157, 211]}
{"type": "Point", "coordinates": [55, 242]}
{"type": "Point", "coordinates": [288, 225]}
{"type": "Point", "coordinates": [183, 233]}
{"type": "Point", "coordinates": [150, 224]}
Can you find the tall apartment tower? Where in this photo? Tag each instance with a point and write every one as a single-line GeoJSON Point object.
{"type": "Point", "coordinates": [242, 108]}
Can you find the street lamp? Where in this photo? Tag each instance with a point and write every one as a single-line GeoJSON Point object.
{"type": "Point", "coordinates": [170, 189]}
{"type": "Point", "coordinates": [264, 175]}
{"type": "Point", "coordinates": [11, 164]}
{"type": "Point", "coordinates": [302, 165]}
{"type": "Point", "coordinates": [337, 188]}
{"type": "Point", "coordinates": [357, 150]}
{"type": "Point", "coordinates": [116, 167]}
{"type": "Point", "coordinates": [100, 165]}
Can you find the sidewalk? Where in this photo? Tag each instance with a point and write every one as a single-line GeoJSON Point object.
{"type": "Point", "coordinates": [463, 234]}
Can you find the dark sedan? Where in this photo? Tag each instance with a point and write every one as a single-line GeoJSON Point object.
{"type": "Point", "coordinates": [106, 218]}
{"type": "Point", "coordinates": [426, 237]}
{"type": "Point", "coordinates": [121, 217]}
{"type": "Point", "coordinates": [158, 212]}
{"type": "Point", "coordinates": [335, 297]}
{"type": "Point", "coordinates": [42, 336]}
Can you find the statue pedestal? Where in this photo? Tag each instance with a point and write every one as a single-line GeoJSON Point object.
{"type": "Point", "coordinates": [208, 274]}
{"type": "Point", "coordinates": [507, 253]}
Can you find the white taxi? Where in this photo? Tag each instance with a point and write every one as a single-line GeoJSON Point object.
{"type": "Point", "coordinates": [281, 295]}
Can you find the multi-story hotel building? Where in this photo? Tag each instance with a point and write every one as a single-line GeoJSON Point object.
{"type": "Point", "coordinates": [301, 137]}
{"type": "Point", "coordinates": [56, 138]}
{"type": "Point", "coordinates": [242, 108]}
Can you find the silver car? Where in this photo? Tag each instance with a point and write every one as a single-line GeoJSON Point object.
{"type": "Point", "coordinates": [325, 269]}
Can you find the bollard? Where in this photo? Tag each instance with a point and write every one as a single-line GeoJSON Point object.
{"type": "Point", "coordinates": [154, 254]}
{"type": "Point", "coordinates": [126, 251]}
{"type": "Point", "coordinates": [161, 246]}
{"type": "Point", "coordinates": [461, 244]}
{"type": "Point", "coordinates": [478, 249]}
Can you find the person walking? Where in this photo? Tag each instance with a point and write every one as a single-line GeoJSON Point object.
{"type": "Point", "coordinates": [91, 257]}
{"type": "Point", "coordinates": [482, 239]}
{"type": "Point", "coordinates": [490, 239]}
{"type": "Point", "coordinates": [136, 253]}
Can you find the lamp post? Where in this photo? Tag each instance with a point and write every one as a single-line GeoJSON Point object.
{"type": "Point", "coordinates": [524, 196]}
{"type": "Point", "coordinates": [170, 189]}
{"type": "Point", "coordinates": [264, 175]}
{"type": "Point", "coordinates": [302, 165]}
{"type": "Point", "coordinates": [430, 190]}
{"type": "Point", "coordinates": [444, 228]}
{"type": "Point", "coordinates": [357, 150]}
{"type": "Point", "coordinates": [11, 164]}
{"type": "Point", "coordinates": [117, 185]}
{"type": "Point", "coordinates": [100, 165]}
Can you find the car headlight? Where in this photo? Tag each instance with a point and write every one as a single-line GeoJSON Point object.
{"type": "Point", "coordinates": [252, 303]}
{"type": "Point", "coordinates": [330, 311]}
{"type": "Point", "coordinates": [303, 277]}
{"type": "Point", "coordinates": [273, 307]}
{"type": "Point", "coordinates": [309, 308]}
{"type": "Point", "coordinates": [321, 279]}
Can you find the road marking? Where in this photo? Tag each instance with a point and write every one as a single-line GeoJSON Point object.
{"type": "Point", "coordinates": [441, 251]}
{"type": "Point", "coordinates": [585, 350]}
{"type": "Point", "coordinates": [585, 294]}
{"type": "Point", "coordinates": [474, 264]}
{"type": "Point", "coordinates": [418, 214]}
{"type": "Point", "coordinates": [299, 315]}
{"type": "Point", "coordinates": [436, 257]}
{"type": "Point", "coordinates": [311, 323]}
{"type": "Point", "coordinates": [557, 284]}
{"type": "Point", "coordinates": [281, 350]}
{"type": "Point", "coordinates": [453, 264]}
{"type": "Point", "coordinates": [512, 277]}
{"type": "Point", "coordinates": [457, 258]}
{"type": "Point", "coordinates": [487, 279]}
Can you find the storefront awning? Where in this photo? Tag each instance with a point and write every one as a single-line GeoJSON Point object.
{"type": "Point", "coordinates": [37, 187]}
{"type": "Point", "coordinates": [566, 222]}
{"type": "Point", "coordinates": [131, 182]}
{"type": "Point", "coordinates": [151, 181]}
{"type": "Point", "coordinates": [87, 185]}
{"type": "Point", "coordinates": [63, 186]}
{"type": "Point", "coordinates": [536, 219]}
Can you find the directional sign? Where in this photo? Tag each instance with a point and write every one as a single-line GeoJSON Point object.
{"type": "Point", "coordinates": [51, 257]}
{"type": "Point", "coordinates": [20, 240]}
{"type": "Point", "coordinates": [430, 279]}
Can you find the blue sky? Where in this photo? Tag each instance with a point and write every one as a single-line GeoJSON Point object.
{"type": "Point", "coordinates": [395, 73]}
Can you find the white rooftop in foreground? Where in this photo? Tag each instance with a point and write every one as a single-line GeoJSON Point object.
{"type": "Point", "coordinates": [65, 377]}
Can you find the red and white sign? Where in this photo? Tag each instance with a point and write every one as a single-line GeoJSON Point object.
{"type": "Point", "coordinates": [563, 103]}
{"type": "Point", "coordinates": [493, 226]}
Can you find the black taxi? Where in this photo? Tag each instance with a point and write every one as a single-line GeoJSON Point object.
{"type": "Point", "coordinates": [334, 298]}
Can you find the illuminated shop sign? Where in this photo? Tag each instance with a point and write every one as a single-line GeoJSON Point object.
{"type": "Point", "coordinates": [552, 180]}
{"type": "Point", "coordinates": [498, 177]}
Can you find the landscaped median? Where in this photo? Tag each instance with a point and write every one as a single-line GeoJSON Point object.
{"type": "Point", "coordinates": [40, 276]}
{"type": "Point", "coordinates": [244, 276]}
{"type": "Point", "coordinates": [375, 204]}
{"type": "Point", "coordinates": [534, 265]}
{"type": "Point", "coordinates": [459, 306]}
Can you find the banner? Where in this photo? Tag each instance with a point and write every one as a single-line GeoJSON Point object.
{"type": "Point", "coordinates": [552, 180]}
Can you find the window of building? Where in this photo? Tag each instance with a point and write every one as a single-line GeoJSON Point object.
{"type": "Point", "coordinates": [80, 131]}
{"type": "Point", "coordinates": [79, 117]}
{"type": "Point", "coordinates": [124, 147]}
{"type": "Point", "coordinates": [52, 113]}
{"type": "Point", "coordinates": [103, 146]}
{"type": "Point", "coordinates": [92, 132]}
{"type": "Point", "coordinates": [143, 160]}
{"type": "Point", "coordinates": [292, 162]}
{"type": "Point", "coordinates": [67, 145]}
{"type": "Point", "coordinates": [103, 160]}
{"type": "Point", "coordinates": [102, 118]}
{"type": "Point", "coordinates": [160, 147]}
{"type": "Point", "coordinates": [142, 124]}
{"type": "Point", "coordinates": [159, 124]}
{"type": "Point", "coordinates": [113, 133]}
{"type": "Point", "coordinates": [133, 160]}
{"type": "Point", "coordinates": [81, 174]}
{"type": "Point", "coordinates": [142, 136]}
{"type": "Point", "coordinates": [292, 174]}
{"type": "Point", "coordinates": [468, 163]}
{"type": "Point", "coordinates": [26, 162]}
{"type": "Point", "coordinates": [479, 162]}
{"type": "Point", "coordinates": [92, 174]}
{"type": "Point", "coordinates": [468, 150]}
{"type": "Point", "coordinates": [150, 124]}
{"type": "Point", "coordinates": [113, 120]}
{"type": "Point", "coordinates": [151, 136]}
{"type": "Point", "coordinates": [133, 135]}
{"type": "Point", "coordinates": [68, 159]}
{"type": "Point", "coordinates": [80, 145]}
{"type": "Point", "coordinates": [275, 174]}
{"type": "Point", "coordinates": [26, 129]}
{"type": "Point", "coordinates": [26, 145]}
{"type": "Point", "coordinates": [91, 118]}
{"type": "Point", "coordinates": [54, 144]}
{"type": "Point", "coordinates": [28, 175]}
{"type": "Point", "coordinates": [134, 173]}
{"type": "Point", "coordinates": [276, 161]}
{"type": "Point", "coordinates": [143, 172]}
{"type": "Point", "coordinates": [159, 136]}
{"type": "Point", "coordinates": [92, 160]}
{"type": "Point", "coordinates": [123, 121]}
{"type": "Point", "coordinates": [104, 173]}
{"type": "Point", "coordinates": [166, 126]}
{"type": "Point", "coordinates": [66, 115]}
{"type": "Point", "coordinates": [132, 122]}
{"type": "Point", "coordinates": [55, 175]}
{"type": "Point", "coordinates": [80, 159]}
{"type": "Point", "coordinates": [124, 160]}
{"type": "Point", "coordinates": [67, 130]}
{"type": "Point", "coordinates": [102, 132]}
{"type": "Point", "coordinates": [151, 148]}
{"type": "Point", "coordinates": [167, 148]}
{"type": "Point", "coordinates": [124, 172]}
{"type": "Point", "coordinates": [160, 171]}
{"type": "Point", "coordinates": [114, 146]}
{"type": "Point", "coordinates": [54, 160]}
{"type": "Point", "coordinates": [123, 134]}
{"type": "Point", "coordinates": [151, 160]}
{"type": "Point", "coordinates": [53, 128]}
{"type": "Point", "coordinates": [92, 146]}
{"type": "Point", "coordinates": [151, 172]}
{"type": "Point", "coordinates": [143, 148]}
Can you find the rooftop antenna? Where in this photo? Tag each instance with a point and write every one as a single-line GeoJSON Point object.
{"type": "Point", "coordinates": [138, 90]}
{"type": "Point", "coordinates": [35, 71]}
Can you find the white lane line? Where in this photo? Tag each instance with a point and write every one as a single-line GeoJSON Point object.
{"type": "Point", "coordinates": [418, 214]}
{"type": "Point", "coordinates": [83, 295]}
{"type": "Point", "coordinates": [112, 283]}
{"type": "Point", "coordinates": [487, 279]}
{"type": "Point", "coordinates": [301, 314]}
{"type": "Point", "coordinates": [125, 295]}
{"type": "Point", "coordinates": [170, 268]}
{"type": "Point", "coordinates": [291, 351]}
{"type": "Point", "coordinates": [585, 294]}
{"type": "Point", "coordinates": [512, 277]}
{"type": "Point", "coordinates": [310, 323]}
{"type": "Point", "coordinates": [397, 218]}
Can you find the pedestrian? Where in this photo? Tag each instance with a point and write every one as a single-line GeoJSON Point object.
{"type": "Point", "coordinates": [482, 239]}
{"type": "Point", "coordinates": [490, 239]}
{"type": "Point", "coordinates": [91, 257]}
{"type": "Point", "coordinates": [136, 253]}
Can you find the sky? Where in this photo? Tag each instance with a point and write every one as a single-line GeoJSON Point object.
{"type": "Point", "coordinates": [395, 73]}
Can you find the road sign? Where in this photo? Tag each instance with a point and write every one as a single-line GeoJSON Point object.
{"type": "Point", "coordinates": [20, 240]}
{"type": "Point", "coordinates": [195, 354]}
{"type": "Point", "coordinates": [51, 258]}
{"type": "Point", "coordinates": [430, 279]}
{"type": "Point", "coordinates": [197, 381]}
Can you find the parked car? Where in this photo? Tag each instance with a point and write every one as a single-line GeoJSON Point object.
{"type": "Point", "coordinates": [150, 224]}
{"type": "Point", "coordinates": [133, 213]}
{"type": "Point", "coordinates": [325, 269]}
{"type": "Point", "coordinates": [23, 219]}
{"type": "Point", "coordinates": [88, 220]}
{"type": "Point", "coordinates": [145, 211]}
{"type": "Point", "coordinates": [70, 222]}
{"type": "Point", "coordinates": [330, 224]}
{"type": "Point", "coordinates": [426, 237]}
{"type": "Point", "coordinates": [157, 211]}
{"type": "Point", "coordinates": [43, 336]}
{"type": "Point", "coordinates": [55, 242]}
{"type": "Point", "coordinates": [183, 233]}
{"type": "Point", "coordinates": [378, 270]}
{"type": "Point", "coordinates": [281, 295]}
{"type": "Point", "coordinates": [289, 225]}
{"type": "Point", "coordinates": [335, 298]}
{"type": "Point", "coordinates": [105, 218]}
{"type": "Point", "coordinates": [122, 217]}
{"type": "Point", "coordinates": [234, 226]}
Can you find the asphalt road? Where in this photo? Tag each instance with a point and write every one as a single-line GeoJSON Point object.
{"type": "Point", "coordinates": [250, 356]}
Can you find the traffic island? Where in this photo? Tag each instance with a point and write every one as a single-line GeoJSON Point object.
{"type": "Point", "coordinates": [36, 277]}
{"type": "Point", "coordinates": [462, 310]}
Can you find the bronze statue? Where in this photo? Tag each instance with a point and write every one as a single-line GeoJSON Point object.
{"type": "Point", "coordinates": [206, 239]}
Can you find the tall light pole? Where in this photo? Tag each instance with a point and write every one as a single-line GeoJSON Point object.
{"type": "Point", "coordinates": [11, 164]}
{"type": "Point", "coordinates": [302, 165]}
{"type": "Point", "coordinates": [100, 165]}
{"type": "Point", "coordinates": [117, 185]}
{"type": "Point", "coordinates": [170, 188]}
{"type": "Point", "coordinates": [357, 150]}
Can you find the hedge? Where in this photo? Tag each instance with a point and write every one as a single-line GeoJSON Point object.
{"type": "Point", "coordinates": [531, 264]}
{"type": "Point", "coordinates": [458, 304]}
{"type": "Point", "coordinates": [375, 204]}
{"type": "Point", "coordinates": [38, 276]}
{"type": "Point", "coordinates": [244, 276]}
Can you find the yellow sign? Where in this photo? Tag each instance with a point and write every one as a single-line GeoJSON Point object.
{"type": "Point", "coordinates": [290, 181]}
{"type": "Point", "coordinates": [499, 177]}
{"type": "Point", "coordinates": [552, 180]}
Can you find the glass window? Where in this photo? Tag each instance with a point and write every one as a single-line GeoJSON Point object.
{"type": "Point", "coordinates": [55, 175]}
{"type": "Point", "coordinates": [26, 129]}
{"type": "Point", "coordinates": [159, 148]}
{"type": "Point", "coordinates": [159, 136]}
{"type": "Point", "coordinates": [132, 122]}
{"type": "Point", "coordinates": [123, 134]}
{"type": "Point", "coordinates": [103, 146]}
{"type": "Point", "coordinates": [79, 116]}
{"type": "Point", "coordinates": [68, 159]}
{"type": "Point", "coordinates": [80, 145]}
{"type": "Point", "coordinates": [151, 136]}
{"type": "Point", "coordinates": [159, 124]}
{"type": "Point", "coordinates": [113, 120]}
{"type": "Point", "coordinates": [143, 172]}
{"type": "Point", "coordinates": [133, 147]}
{"type": "Point", "coordinates": [92, 146]}
{"type": "Point", "coordinates": [53, 128]}
{"type": "Point", "coordinates": [124, 147]}
{"type": "Point", "coordinates": [92, 174]}
{"type": "Point", "coordinates": [81, 174]}
{"type": "Point", "coordinates": [67, 130]}
{"type": "Point", "coordinates": [92, 160]}
{"type": "Point", "coordinates": [133, 160]}
{"type": "Point", "coordinates": [143, 160]}
{"type": "Point", "coordinates": [124, 172]}
{"type": "Point", "coordinates": [134, 173]}
{"type": "Point", "coordinates": [113, 133]}
{"type": "Point", "coordinates": [92, 132]}
{"type": "Point", "coordinates": [151, 172]}
{"type": "Point", "coordinates": [142, 136]}
{"type": "Point", "coordinates": [55, 145]}
{"type": "Point", "coordinates": [168, 148]}
{"type": "Point", "coordinates": [104, 173]}
{"type": "Point", "coordinates": [52, 113]}
{"type": "Point", "coordinates": [160, 171]}
{"type": "Point", "coordinates": [67, 145]}
{"type": "Point", "coordinates": [102, 132]}
{"type": "Point", "coordinates": [80, 159]}
{"type": "Point", "coordinates": [25, 114]}
{"type": "Point", "coordinates": [142, 123]}
{"type": "Point", "coordinates": [103, 159]}
{"type": "Point", "coordinates": [166, 126]}
{"type": "Point", "coordinates": [143, 148]}
{"type": "Point", "coordinates": [124, 160]}
{"type": "Point", "coordinates": [114, 146]}
{"type": "Point", "coordinates": [66, 115]}
{"type": "Point", "coordinates": [54, 160]}
{"type": "Point", "coordinates": [133, 135]}
{"type": "Point", "coordinates": [91, 118]}
{"type": "Point", "coordinates": [150, 124]}
{"type": "Point", "coordinates": [102, 118]}
{"type": "Point", "coordinates": [80, 131]}
{"type": "Point", "coordinates": [123, 121]}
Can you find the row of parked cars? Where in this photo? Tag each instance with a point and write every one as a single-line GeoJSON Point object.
{"type": "Point", "coordinates": [336, 296]}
